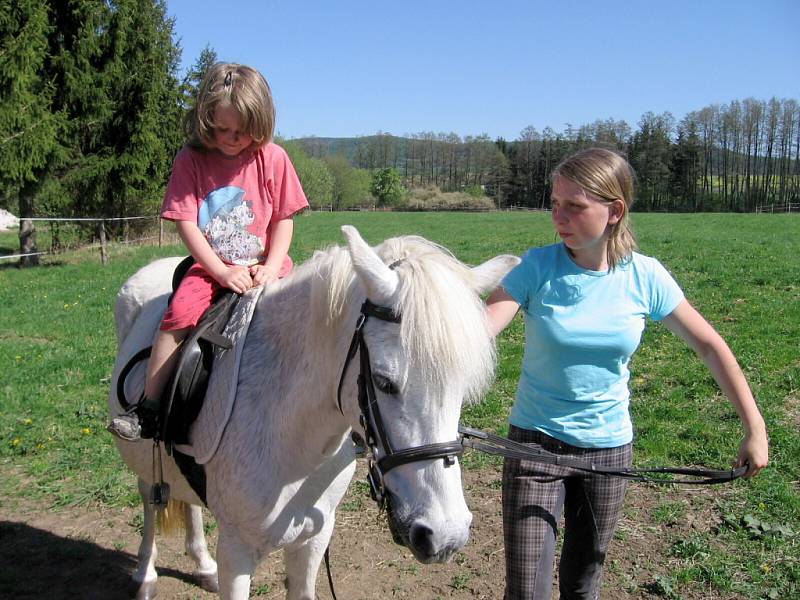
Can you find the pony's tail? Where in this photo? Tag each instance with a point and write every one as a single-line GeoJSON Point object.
{"type": "Point", "coordinates": [172, 518]}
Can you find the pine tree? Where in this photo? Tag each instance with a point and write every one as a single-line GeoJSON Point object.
{"type": "Point", "coordinates": [89, 107]}
{"type": "Point", "coordinates": [194, 76]}
{"type": "Point", "coordinates": [29, 130]}
{"type": "Point", "coordinates": [133, 126]}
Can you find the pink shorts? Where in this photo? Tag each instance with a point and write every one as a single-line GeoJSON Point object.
{"type": "Point", "coordinates": [194, 295]}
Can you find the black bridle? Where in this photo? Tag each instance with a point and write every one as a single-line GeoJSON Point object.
{"type": "Point", "coordinates": [371, 419]}
{"type": "Point", "coordinates": [377, 438]}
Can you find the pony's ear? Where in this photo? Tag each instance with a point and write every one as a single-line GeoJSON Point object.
{"type": "Point", "coordinates": [489, 274]}
{"type": "Point", "coordinates": [378, 279]}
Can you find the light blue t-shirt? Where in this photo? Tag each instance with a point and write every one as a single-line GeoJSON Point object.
{"type": "Point", "coordinates": [581, 328]}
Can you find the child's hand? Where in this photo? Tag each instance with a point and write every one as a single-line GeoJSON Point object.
{"type": "Point", "coordinates": [237, 278]}
{"type": "Point", "coordinates": [263, 274]}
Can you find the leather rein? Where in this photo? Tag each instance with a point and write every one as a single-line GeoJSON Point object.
{"type": "Point", "coordinates": [377, 438]}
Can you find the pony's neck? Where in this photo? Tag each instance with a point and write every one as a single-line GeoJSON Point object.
{"type": "Point", "coordinates": [289, 375]}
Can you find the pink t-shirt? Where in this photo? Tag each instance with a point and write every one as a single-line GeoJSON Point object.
{"type": "Point", "coordinates": [234, 200]}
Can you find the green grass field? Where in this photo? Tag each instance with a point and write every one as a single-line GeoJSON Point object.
{"type": "Point", "coordinates": [742, 271]}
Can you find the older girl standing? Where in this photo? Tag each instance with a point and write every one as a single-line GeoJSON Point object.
{"type": "Point", "coordinates": [585, 301]}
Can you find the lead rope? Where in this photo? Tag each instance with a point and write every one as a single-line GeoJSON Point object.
{"type": "Point", "coordinates": [500, 446]}
{"type": "Point", "coordinates": [328, 570]}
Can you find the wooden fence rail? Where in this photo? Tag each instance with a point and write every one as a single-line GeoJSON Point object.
{"type": "Point", "coordinates": [26, 225]}
{"type": "Point", "coordinates": [778, 208]}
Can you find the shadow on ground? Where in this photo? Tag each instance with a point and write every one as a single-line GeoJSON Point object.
{"type": "Point", "coordinates": [39, 564]}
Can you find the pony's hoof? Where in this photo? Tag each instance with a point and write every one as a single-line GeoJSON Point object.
{"type": "Point", "coordinates": [147, 591]}
{"type": "Point", "coordinates": [208, 581]}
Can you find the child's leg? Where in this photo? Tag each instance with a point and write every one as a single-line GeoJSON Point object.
{"type": "Point", "coordinates": [193, 296]}
{"type": "Point", "coordinates": [162, 361]}
{"type": "Point", "coordinates": [190, 301]}
{"type": "Point", "coordinates": [141, 420]}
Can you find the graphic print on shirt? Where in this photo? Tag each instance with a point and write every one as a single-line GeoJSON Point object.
{"type": "Point", "coordinates": [223, 217]}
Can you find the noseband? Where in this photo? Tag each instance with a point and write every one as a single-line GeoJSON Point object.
{"type": "Point", "coordinates": [371, 420]}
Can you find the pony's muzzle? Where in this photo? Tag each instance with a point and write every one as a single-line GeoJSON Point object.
{"type": "Point", "coordinates": [428, 547]}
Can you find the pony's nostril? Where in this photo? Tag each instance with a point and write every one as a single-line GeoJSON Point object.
{"type": "Point", "coordinates": [421, 539]}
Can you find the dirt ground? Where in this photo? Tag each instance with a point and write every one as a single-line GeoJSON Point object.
{"type": "Point", "coordinates": [90, 552]}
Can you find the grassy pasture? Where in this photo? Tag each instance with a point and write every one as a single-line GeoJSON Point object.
{"type": "Point", "coordinates": [742, 271]}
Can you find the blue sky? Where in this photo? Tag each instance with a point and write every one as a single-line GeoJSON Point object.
{"type": "Point", "coordinates": [342, 68]}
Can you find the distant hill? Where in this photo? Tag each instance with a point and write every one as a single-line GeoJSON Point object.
{"type": "Point", "coordinates": [325, 146]}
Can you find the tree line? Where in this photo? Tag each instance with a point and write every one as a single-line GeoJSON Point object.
{"type": "Point", "coordinates": [91, 104]}
{"type": "Point", "coordinates": [729, 157]}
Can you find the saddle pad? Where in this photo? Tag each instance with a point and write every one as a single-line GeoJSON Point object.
{"type": "Point", "coordinates": [207, 430]}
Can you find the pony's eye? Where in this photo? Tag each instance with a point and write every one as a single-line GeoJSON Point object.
{"type": "Point", "coordinates": [384, 384]}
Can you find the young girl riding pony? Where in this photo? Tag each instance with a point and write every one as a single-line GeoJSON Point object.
{"type": "Point", "coordinates": [232, 195]}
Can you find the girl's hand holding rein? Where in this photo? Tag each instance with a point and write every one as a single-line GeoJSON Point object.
{"type": "Point", "coordinates": [263, 274]}
{"type": "Point", "coordinates": [235, 277]}
{"type": "Point", "coordinates": [753, 452]}
{"type": "Point", "coordinates": [688, 324]}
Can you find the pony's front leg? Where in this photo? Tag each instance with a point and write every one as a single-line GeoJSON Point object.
{"type": "Point", "coordinates": [302, 563]}
{"type": "Point", "coordinates": [236, 563]}
{"type": "Point", "coordinates": [197, 549]}
{"type": "Point", "coordinates": [145, 574]}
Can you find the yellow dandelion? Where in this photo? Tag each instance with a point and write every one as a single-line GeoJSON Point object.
{"type": "Point", "coordinates": [86, 431]}
{"type": "Point", "coordinates": [765, 568]}
{"type": "Point", "coordinates": [15, 442]}
{"type": "Point", "coordinates": [27, 421]}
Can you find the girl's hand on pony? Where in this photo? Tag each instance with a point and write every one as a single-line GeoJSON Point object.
{"type": "Point", "coordinates": [236, 277]}
{"type": "Point", "coordinates": [263, 275]}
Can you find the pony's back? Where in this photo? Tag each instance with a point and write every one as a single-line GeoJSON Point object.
{"type": "Point", "coordinates": [148, 283]}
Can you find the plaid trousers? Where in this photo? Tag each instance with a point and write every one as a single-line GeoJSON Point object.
{"type": "Point", "coordinates": [534, 496]}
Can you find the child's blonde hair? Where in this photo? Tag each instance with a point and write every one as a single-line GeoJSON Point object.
{"type": "Point", "coordinates": [608, 176]}
{"type": "Point", "coordinates": [238, 86]}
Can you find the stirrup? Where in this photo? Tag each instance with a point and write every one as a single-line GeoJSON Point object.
{"type": "Point", "coordinates": [138, 421]}
{"type": "Point", "coordinates": [126, 427]}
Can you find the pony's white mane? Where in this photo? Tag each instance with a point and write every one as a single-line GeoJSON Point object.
{"type": "Point", "coordinates": [443, 318]}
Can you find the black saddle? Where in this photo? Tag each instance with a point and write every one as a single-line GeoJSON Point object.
{"type": "Point", "coordinates": [184, 395]}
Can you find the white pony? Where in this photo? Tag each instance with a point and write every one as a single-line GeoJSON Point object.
{"type": "Point", "coordinates": [285, 459]}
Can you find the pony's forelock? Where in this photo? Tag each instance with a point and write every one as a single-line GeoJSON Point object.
{"type": "Point", "coordinates": [443, 318]}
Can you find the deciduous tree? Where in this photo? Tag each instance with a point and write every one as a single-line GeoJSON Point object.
{"type": "Point", "coordinates": [387, 187]}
